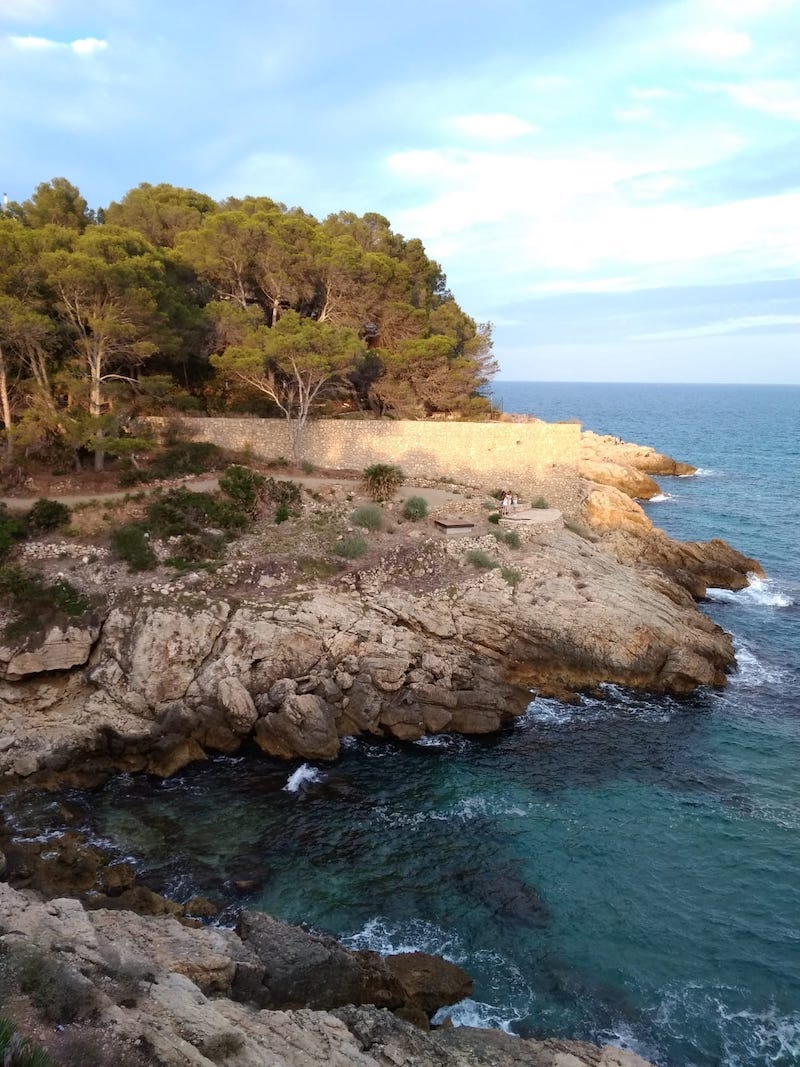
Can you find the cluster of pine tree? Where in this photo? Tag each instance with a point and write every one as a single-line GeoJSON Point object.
{"type": "Point", "coordinates": [169, 300]}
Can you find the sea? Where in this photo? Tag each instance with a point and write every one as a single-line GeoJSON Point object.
{"type": "Point", "coordinates": [625, 869]}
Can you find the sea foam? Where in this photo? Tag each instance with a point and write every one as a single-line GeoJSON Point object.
{"type": "Point", "coordinates": [761, 592]}
{"type": "Point", "coordinates": [304, 776]}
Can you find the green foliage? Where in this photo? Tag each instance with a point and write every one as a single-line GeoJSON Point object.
{"type": "Point", "coordinates": [382, 480]}
{"type": "Point", "coordinates": [185, 457]}
{"type": "Point", "coordinates": [181, 511]}
{"type": "Point", "coordinates": [130, 543]}
{"type": "Point", "coordinates": [287, 493]}
{"type": "Point", "coordinates": [281, 513]}
{"type": "Point", "coordinates": [246, 487]}
{"type": "Point", "coordinates": [59, 994]}
{"type": "Point", "coordinates": [495, 518]}
{"type": "Point", "coordinates": [512, 539]}
{"type": "Point", "coordinates": [540, 502]}
{"type": "Point", "coordinates": [35, 602]}
{"type": "Point", "coordinates": [368, 516]}
{"type": "Point", "coordinates": [316, 568]}
{"type": "Point", "coordinates": [480, 559]}
{"type": "Point", "coordinates": [306, 467]}
{"type": "Point", "coordinates": [12, 529]}
{"type": "Point", "coordinates": [498, 494]}
{"type": "Point", "coordinates": [47, 515]}
{"type": "Point", "coordinates": [351, 547]}
{"type": "Point", "coordinates": [513, 577]}
{"type": "Point", "coordinates": [415, 508]}
{"type": "Point", "coordinates": [277, 462]}
{"type": "Point", "coordinates": [21, 1051]}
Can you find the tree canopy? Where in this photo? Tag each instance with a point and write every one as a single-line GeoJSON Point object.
{"type": "Point", "coordinates": [245, 304]}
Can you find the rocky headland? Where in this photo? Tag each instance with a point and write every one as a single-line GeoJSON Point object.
{"type": "Point", "coordinates": [427, 635]}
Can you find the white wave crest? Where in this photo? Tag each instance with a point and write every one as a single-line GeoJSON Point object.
{"type": "Point", "coordinates": [701, 472]}
{"type": "Point", "coordinates": [475, 1013]}
{"type": "Point", "coordinates": [305, 775]}
{"type": "Point", "coordinates": [659, 498]}
{"type": "Point", "coordinates": [752, 673]}
{"type": "Point", "coordinates": [761, 592]}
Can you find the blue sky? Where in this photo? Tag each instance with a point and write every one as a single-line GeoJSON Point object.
{"type": "Point", "coordinates": [614, 184]}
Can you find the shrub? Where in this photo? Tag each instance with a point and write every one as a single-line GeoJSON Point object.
{"type": "Point", "coordinates": [285, 492]}
{"type": "Point", "coordinates": [540, 502]}
{"type": "Point", "coordinates": [130, 543]}
{"type": "Point", "coordinates": [383, 480]}
{"type": "Point", "coordinates": [12, 530]}
{"type": "Point", "coordinates": [351, 547]}
{"type": "Point", "coordinates": [278, 461]}
{"type": "Point", "coordinates": [186, 457]}
{"type": "Point", "coordinates": [47, 515]}
{"type": "Point", "coordinates": [512, 539]}
{"type": "Point", "coordinates": [368, 516]}
{"type": "Point", "coordinates": [511, 576]}
{"type": "Point", "coordinates": [498, 494]}
{"type": "Point", "coordinates": [35, 602]}
{"type": "Point", "coordinates": [306, 467]}
{"type": "Point", "coordinates": [181, 511]}
{"type": "Point", "coordinates": [246, 487]}
{"type": "Point", "coordinates": [478, 558]}
{"type": "Point", "coordinates": [281, 513]}
{"type": "Point", "coordinates": [415, 508]}
{"type": "Point", "coordinates": [495, 518]}
{"type": "Point", "coordinates": [21, 1051]}
{"type": "Point", "coordinates": [59, 993]}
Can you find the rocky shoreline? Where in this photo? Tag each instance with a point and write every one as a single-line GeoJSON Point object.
{"type": "Point", "coordinates": [420, 641]}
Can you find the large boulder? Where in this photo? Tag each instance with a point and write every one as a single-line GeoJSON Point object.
{"type": "Point", "coordinates": [304, 726]}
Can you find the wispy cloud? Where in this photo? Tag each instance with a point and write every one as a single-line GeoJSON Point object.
{"type": "Point", "coordinates": [724, 326]}
{"type": "Point", "coordinates": [82, 46]}
{"type": "Point", "coordinates": [492, 127]}
{"type": "Point", "coordinates": [717, 43]}
{"type": "Point", "coordinates": [781, 98]}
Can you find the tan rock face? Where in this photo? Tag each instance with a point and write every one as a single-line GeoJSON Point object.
{"type": "Point", "coordinates": [59, 649]}
{"type": "Point", "coordinates": [629, 480]}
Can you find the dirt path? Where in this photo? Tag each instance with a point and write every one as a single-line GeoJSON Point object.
{"type": "Point", "coordinates": [435, 498]}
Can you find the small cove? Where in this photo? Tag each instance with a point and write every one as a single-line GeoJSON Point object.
{"type": "Point", "coordinates": [626, 869]}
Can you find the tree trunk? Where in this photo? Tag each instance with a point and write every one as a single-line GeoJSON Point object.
{"type": "Point", "coordinates": [96, 408]}
{"type": "Point", "coordinates": [6, 407]}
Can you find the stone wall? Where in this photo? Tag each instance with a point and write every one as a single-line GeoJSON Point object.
{"type": "Point", "coordinates": [525, 455]}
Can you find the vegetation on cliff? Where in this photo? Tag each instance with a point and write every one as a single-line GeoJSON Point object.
{"type": "Point", "coordinates": [170, 300]}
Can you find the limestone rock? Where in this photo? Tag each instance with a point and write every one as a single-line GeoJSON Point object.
{"type": "Point", "coordinates": [240, 710]}
{"type": "Point", "coordinates": [58, 649]}
{"type": "Point", "coordinates": [628, 480]}
{"type": "Point", "coordinates": [304, 725]}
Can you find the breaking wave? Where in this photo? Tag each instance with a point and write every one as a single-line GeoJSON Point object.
{"type": "Point", "coordinates": [304, 776]}
{"type": "Point", "coordinates": [761, 592]}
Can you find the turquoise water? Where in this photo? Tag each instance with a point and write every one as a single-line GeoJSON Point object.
{"type": "Point", "coordinates": [627, 869]}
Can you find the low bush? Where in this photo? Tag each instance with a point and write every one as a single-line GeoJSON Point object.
{"type": "Point", "coordinates": [306, 467]}
{"type": "Point", "coordinates": [60, 994]}
{"type": "Point", "coordinates": [415, 508]}
{"type": "Point", "coordinates": [495, 518]}
{"type": "Point", "coordinates": [185, 457]}
{"type": "Point", "coordinates": [512, 539]}
{"type": "Point", "coordinates": [278, 461]}
{"type": "Point", "coordinates": [20, 1051]}
{"type": "Point", "coordinates": [181, 511]}
{"type": "Point", "coordinates": [478, 558]}
{"type": "Point", "coordinates": [246, 487]}
{"type": "Point", "coordinates": [382, 481]}
{"type": "Point", "coordinates": [35, 602]}
{"type": "Point", "coordinates": [12, 529]}
{"type": "Point", "coordinates": [281, 513]}
{"type": "Point", "coordinates": [540, 502]}
{"type": "Point", "coordinates": [368, 516]}
{"type": "Point", "coordinates": [351, 547]}
{"type": "Point", "coordinates": [47, 515]}
{"type": "Point", "coordinates": [511, 576]}
{"type": "Point", "coordinates": [131, 544]}
{"type": "Point", "coordinates": [288, 493]}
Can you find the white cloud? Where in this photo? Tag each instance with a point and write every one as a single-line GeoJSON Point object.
{"type": "Point", "coordinates": [780, 98]}
{"type": "Point", "coordinates": [25, 10]}
{"type": "Point", "coordinates": [655, 92]}
{"type": "Point", "coordinates": [718, 43]}
{"type": "Point", "coordinates": [86, 46]}
{"type": "Point", "coordinates": [33, 44]}
{"type": "Point", "coordinates": [632, 114]}
{"type": "Point", "coordinates": [83, 46]}
{"type": "Point", "coordinates": [622, 284]}
{"type": "Point", "coordinates": [492, 127]}
{"type": "Point", "coordinates": [723, 326]}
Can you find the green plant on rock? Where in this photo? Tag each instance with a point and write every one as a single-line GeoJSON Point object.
{"type": "Point", "coordinates": [281, 514]}
{"type": "Point", "coordinates": [246, 487]}
{"type": "Point", "coordinates": [540, 503]}
{"type": "Point", "coordinates": [415, 508]}
{"type": "Point", "coordinates": [181, 511]}
{"type": "Point", "coordinates": [131, 543]}
{"type": "Point", "coordinates": [47, 515]}
{"type": "Point", "coordinates": [12, 529]}
{"type": "Point", "coordinates": [368, 516]}
{"type": "Point", "coordinates": [307, 467]}
{"type": "Point", "coordinates": [21, 1051]}
{"type": "Point", "coordinates": [480, 559]}
{"type": "Point", "coordinates": [288, 493]}
{"type": "Point", "coordinates": [512, 539]}
{"type": "Point", "coordinates": [351, 547]}
{"type": "Point", "coordinates": [511, 575]}
{"type": "Point", "coordinates": [495, 518]}
{"type": "Point", "coordinates": [382, 480]}
{"type": "Point", "coordinates": [35, 603]}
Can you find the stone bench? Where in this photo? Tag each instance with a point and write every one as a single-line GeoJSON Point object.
{"type": "Point", "coordinates": [454, 527]}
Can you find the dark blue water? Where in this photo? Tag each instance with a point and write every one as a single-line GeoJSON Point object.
{"type": "Point", "coordinates": [625, 870]}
